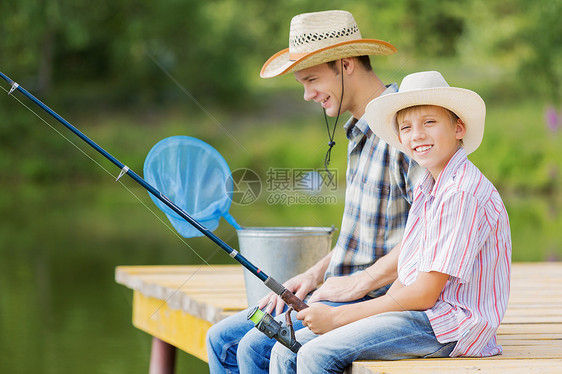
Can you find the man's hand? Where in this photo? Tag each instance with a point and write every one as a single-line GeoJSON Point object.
{"type": "Point", "coordinates": [345, 288]}
{"type": "Point", "coordinates": [354, 287]}
{"type": "Point", "coordinates": [300, 285]}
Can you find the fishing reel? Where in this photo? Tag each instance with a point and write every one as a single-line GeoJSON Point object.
{"type": "Point", "coordinates": [274, 329]}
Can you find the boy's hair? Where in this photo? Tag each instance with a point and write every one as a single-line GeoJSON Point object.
{"type": "Point", "coordinates": [402, 113]}
{"type": "Point", "coordinates": [364, 61]}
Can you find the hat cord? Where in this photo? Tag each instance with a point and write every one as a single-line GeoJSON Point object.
{"type": "Point", "coordinates": [331, 134]}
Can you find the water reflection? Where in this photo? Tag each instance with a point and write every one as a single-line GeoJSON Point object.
{"type": "Point", "coordinates": [60, 309]}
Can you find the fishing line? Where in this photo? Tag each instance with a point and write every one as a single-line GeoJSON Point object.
{"type": "Point", "coordinates": [286, 295]}
{"type": "Point", "coordinates": [195, 101]}
{"type": "Point", "coordinates": [175, 292]}
{"type": "Point", "coordinates": [108, 172]}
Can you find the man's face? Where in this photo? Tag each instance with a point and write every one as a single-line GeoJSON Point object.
{"type": "Point", "coordinates": [322, 85]}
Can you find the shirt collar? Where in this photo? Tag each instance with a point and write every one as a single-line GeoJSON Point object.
{"type": "Point", "coordinates": [354, 127]}
{"type": "Point", "coordinates": [429, 186]}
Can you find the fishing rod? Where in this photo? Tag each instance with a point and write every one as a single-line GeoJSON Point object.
{"type": "Point", "coordinates": [262, 320]}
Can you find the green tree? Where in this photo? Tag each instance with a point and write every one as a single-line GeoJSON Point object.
{"type": "Point", "coordinates": [542, 66]}
{"type": "Point", "coordinates": [435, 26]}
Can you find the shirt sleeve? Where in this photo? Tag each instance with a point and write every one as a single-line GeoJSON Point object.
{"type": "Point", "coordinates": [451, 244]}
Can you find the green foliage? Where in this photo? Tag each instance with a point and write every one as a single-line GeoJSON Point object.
{"type": "Point", "coordinates": [121, 43]}
{"type": "Point", "coordinates": [519, 153]}
{"type": "Point", "coordinates": [543, 36]}
{"type": "Point", "coordinates": [435, 26]}
{"type": "Point", "coordinates": [138, 52]}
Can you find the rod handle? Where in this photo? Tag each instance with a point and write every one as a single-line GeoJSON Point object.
{"type": "Point", "coordinates": [291, 300]}
{"type": "Point", "coordinates": [287, 296]}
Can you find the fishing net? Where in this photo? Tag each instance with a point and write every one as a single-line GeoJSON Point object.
{"type": "Point", "coordinates": [194, 176]}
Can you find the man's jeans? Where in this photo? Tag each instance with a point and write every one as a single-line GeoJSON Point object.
{"type": "Point", "coordinates": [387, 336]}
{"type": "Point", "coordinates": [235, 346]}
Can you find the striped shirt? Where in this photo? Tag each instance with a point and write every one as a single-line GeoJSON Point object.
{"type": "Point", "coordinates": [379, 187]}
{"type": "Point", "coordinates": [458, 226]}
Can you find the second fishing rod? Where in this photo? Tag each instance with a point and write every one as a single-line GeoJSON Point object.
{"type": "Point", "coordinates": [264, 322]}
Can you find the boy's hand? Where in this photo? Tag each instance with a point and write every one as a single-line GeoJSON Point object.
{"type": "Point", "coordinates": [319, 318]}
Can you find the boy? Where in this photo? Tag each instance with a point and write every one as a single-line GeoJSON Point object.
{"type": "Point", "coordinates": [453, 266]}
{"type": "Point", "coordinates": [330, 58]}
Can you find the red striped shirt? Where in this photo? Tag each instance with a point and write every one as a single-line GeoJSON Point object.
{"type": "Point", "coordinates": [459, 226]}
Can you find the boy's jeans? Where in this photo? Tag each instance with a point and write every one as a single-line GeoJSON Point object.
{"type": "Point", "coordinates": [235, 346]}
{"type": "Point", "coordinates": [387, 336]}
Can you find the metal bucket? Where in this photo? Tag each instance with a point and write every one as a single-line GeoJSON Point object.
{"type": "Point", "coordinates": [281, 253]}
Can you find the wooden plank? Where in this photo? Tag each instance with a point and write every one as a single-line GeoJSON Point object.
{"type": "Point", "coordinates": [556, 343]}
{"type": "Point", "coordinates": [509, 339]}
{"type": "Point", "coordinates": [191, 289]}
{"type": "Point", "coordinates": [529, 352]}
{"type": "Point", "coordinates": [549, 292]}
{"type": "Point", "coordinates": [539, 328]}
{"type": "Point", "coordinates": [531, 319]}
{"type": "Point", "coordinates": [460, 365]}
{"type": "Point", "coordinates": [530, 312]}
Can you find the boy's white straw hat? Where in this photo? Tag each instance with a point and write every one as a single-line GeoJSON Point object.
{"type": "Point", "coordinates": [319, 37]}
{"type": "Point", "coordinates": [427, 88]}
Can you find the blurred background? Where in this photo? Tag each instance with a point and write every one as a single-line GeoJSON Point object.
{"type": "Point", "coordinates": [130, 73]}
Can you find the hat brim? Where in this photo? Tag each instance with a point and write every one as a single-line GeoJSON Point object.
{"type": "Point", "coordinates": [280, 63]}
{"type": "Point", "coordinates": [467, 105]}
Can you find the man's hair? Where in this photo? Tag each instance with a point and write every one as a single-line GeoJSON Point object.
{"type": "Point", "coordinates": [402, 112]}
{"type": "Point", "coordinates": [364, 61]}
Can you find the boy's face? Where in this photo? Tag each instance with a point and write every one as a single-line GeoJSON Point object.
{"type": "Point", "coordinates": [429, 137]}
{"type": "Point", "coordinates": [322, 85]}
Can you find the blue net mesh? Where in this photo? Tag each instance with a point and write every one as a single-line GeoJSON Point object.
{"type": "Point", "coordinates": [195, 177]}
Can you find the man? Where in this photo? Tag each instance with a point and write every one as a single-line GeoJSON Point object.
{"type": "Point", "coordinates": [330, 59]}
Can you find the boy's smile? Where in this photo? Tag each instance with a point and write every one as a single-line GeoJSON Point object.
{"type": "Point", "coordinates": [322, 85]}
{"type": "Point", "coordinates": [429, 136]}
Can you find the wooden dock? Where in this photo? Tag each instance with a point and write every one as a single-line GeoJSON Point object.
{"type": "Point", "coordinates": [177, 305]}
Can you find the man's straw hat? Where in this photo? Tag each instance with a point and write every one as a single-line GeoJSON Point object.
{"type": "Point", "coordinates": [427, 88]}
{"type": "Point", "coordinates": [315, 38]}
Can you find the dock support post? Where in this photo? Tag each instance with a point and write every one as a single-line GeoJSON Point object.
{"type": "Point", "coordinates": [162, 357]}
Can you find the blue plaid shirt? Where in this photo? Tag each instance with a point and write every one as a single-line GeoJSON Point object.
{"type": "Point", "coordinates": [380, 181]}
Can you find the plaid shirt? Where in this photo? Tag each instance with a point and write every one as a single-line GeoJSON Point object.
{"type": "Point", "coordinates": [380, 181]}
